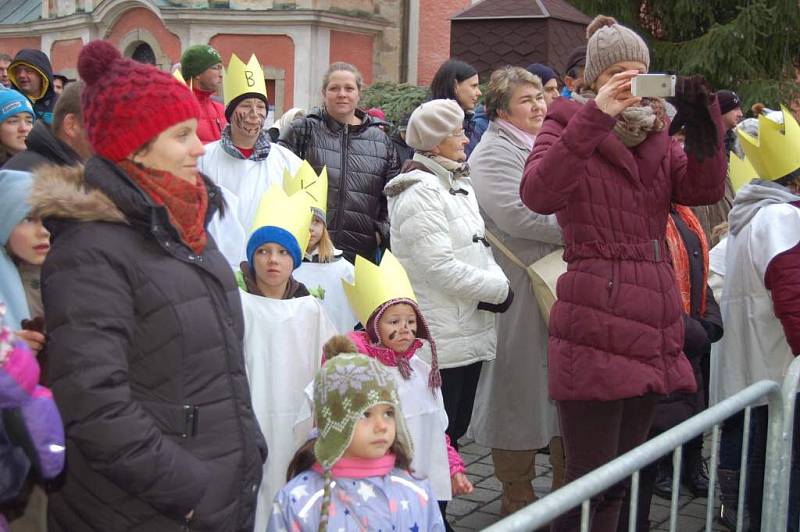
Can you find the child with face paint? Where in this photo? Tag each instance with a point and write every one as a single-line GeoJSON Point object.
{"type": "Point", "coordinates": [323, 266]}
{"type": "Point", "coordinates": [284, 331]}
{"type": "Point", "coordinates": [24, 246]}
{"type": "Point", "coordinates": [397, 334]}
{"type": "Point", "coordinates": [244, 162]}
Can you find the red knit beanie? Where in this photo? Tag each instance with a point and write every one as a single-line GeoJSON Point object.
{"type": "Point", "coordinates": [127, 103]}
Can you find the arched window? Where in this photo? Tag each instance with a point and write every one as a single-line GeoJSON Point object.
{"type": "Point", "coordinates": [143, 53]}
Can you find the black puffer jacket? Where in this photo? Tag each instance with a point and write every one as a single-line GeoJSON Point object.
{"type": "Point", "coordinates": [145, 343]}
{"type": "Point", "coordinates": [361, 160]}
{"type": "Point", "coordinates": [43, 103]}
{"type": "Point", "coordinates": [43, 148]}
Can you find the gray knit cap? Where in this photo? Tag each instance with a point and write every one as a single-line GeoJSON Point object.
{"type": "Point", "coordinates": [432, 122]}
{"type": "Point", "coordinates": [610, 43]}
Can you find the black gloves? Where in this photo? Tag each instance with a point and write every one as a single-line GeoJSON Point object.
{"type": "Point", "coordinates": [498, 308]}
{"type": "Point", "coordinates": [692, 96]}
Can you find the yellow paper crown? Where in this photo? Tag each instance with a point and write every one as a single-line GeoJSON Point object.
{"type": "Point", "coordinates": [375, 285]}
{"type": "Point", "coordinates": [740, 171]}
{"type": "Point", "coordinates": [776, 151]}
{"type": "Point", "coordinates": [243, 79]}
{"type": "Point", "coordinates": [313, 185]}
{"type": "Point", "coordinates": [292, 213]}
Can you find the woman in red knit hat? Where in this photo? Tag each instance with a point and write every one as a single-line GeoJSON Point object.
{"type": "Point", "coordinates": [144, 319]}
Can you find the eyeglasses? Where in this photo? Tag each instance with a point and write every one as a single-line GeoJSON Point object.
{"type": "Point", "coordinates": [456, 134]}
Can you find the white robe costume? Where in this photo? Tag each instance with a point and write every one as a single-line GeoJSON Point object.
{"type": "Point", "coordinates": [324, 279]}
{"type": "Point", "coordinates": [244, 182]}
{"type": "Point", "coordinates": [283, 342]}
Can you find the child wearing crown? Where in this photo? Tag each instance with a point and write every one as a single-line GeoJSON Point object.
{"type": "Point", "coordinates": [396, 333]}
{"type": "Point", "coordinates": [285, 330]}
{"type": "Point", "coordinates": [244, 163]}
{"type": "Point", "coordinates": [323, 266]}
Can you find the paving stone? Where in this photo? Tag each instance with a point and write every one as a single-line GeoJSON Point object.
{"type": "Point", "coordinates": [481, 495]}
{"type": "Point", "coordinates": [490, 483]}
{"type": "Point", "coordinates": [478, 520]}
{"type": "Point", "coordinates": [659, 513]}
{"type": "Point", "coordinates": [492, 508]}
{"type": "Point", "coordinates": [474, 448]}
{"type": "Point", "coordinates": [460, 507]}
{"type": "Point", "coordinates": [487, 460]}
{"type": "Point", "coordinates": [470, 458]}
{"type": "Point", "coordinates": [481, 469]}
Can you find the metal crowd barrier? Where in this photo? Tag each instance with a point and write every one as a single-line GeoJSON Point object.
{"type": "Point", "coordinates": [781, 404]}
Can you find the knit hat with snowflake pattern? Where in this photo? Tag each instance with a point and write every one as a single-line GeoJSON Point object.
{"type": "Point", "coordinates": [346, 386]}
{"type": "Point", "coordinates": [126, 103]}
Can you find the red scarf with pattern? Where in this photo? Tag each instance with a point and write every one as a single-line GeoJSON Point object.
{"type": "Point", "coordinates": [680, 257]}
{"type": "Point", "coordinates": [186, 203]}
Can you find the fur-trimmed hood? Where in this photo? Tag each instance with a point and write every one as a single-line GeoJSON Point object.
{"type": "Point", "coordinates": [62, 192]}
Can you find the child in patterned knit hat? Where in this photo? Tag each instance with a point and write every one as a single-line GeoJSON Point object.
{"type": "Point", "coordinates": [355, 474]}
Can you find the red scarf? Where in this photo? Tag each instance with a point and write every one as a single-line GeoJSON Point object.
{"type": "Point", "coordinates": [680, 257]}
{"type": "Point", "coordinates": [186, 203]}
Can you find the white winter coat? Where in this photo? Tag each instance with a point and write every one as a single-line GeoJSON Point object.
{"type": "Point", "coordinates": [434, 234]}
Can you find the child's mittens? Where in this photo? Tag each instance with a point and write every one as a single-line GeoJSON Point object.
{"type": "Point", "coordinates": [19, 371]}
{"type": "Point", "coordinates": [36, 426]}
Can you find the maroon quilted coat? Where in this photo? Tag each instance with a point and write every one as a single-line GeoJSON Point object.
{"type": "Point", "coordinates": [616, 330]}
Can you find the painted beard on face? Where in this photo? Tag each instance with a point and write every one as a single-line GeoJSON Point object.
{"type": "Point", "coordinates": [250, 122]}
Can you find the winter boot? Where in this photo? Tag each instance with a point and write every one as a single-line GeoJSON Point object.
{"type": "Point", "coordinates": [516, 471]}
{"type": "Point", "coordinates": [729, 499]}
{"type": "Point", "coordinates": [558, 460]}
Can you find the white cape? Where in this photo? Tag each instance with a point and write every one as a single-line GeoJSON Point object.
{"type": "Point", "coordinates": [328, 277]}
{"type": "Point", "coordinates": [282, 349]}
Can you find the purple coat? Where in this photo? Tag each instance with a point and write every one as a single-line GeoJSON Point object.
{"type": "Point", "coordinates": [616, 330]}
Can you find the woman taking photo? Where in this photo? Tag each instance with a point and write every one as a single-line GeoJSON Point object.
{"type": "Point", "coordinates": [144, 319]}
{"type": "Point", "coordinates": [438, 237]}
{"type": "Point", "coordinates": [360, 159]}
{"type": "Point", "coordinates": [456, 80]}
{"type": "Point", "coordinates": [513, 387]}
{"type": "Point", "coordinates": [604, 163]}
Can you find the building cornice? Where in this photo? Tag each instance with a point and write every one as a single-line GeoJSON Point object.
{"type": "Point", "coordinates": [108, 12]}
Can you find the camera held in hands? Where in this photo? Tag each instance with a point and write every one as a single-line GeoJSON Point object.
{"type": "Point", "coordinates": [653, 85]}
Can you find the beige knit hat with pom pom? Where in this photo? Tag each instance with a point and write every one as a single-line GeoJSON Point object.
{"type": "Point", "coordinates": [610, 43]}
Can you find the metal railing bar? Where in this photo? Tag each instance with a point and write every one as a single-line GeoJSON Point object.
{"type": "Point", "coordinates": [585, 507]}
{"type": "Point", "coordinates": [677, 459]}
{"type": "Point", "coordinates": [548, 508]}
{"type": "Point", "coordinates": [743, 469]}
{"type": "Point", "coordinates": [632, 514]}
{"type": "Point", "coordinates": [712, 478]}
{"type": "Point", "coordinates": [782, 448]}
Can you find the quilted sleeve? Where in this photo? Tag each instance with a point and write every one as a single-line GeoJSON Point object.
{"type": "Point", "coordinates": [783, 281]}
{"type": "Point", "coordinates": [696, 182]}
{"type": "Point", "coordinates": [559, 157]}
{"type": "Point", "coordinates": [421, 241]}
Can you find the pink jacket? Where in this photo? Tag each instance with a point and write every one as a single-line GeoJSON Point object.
{"type": "Point", "coordinates": [212, 116]}
{"type": "Point", "coordinates": [616, 330]}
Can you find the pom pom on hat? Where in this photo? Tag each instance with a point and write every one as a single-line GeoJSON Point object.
{"type": "Point", "coordinates": [126, 103]}
{"type": "Point", "coordinates": [611, 43]}
{"type": "Point", "coordinates": [338, 344]}
{"type": "Point", "coordinates": [432, 122]}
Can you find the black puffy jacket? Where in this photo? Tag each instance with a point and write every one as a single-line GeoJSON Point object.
{"type": "Point", "coordinates": [146, 364]}
{"type": "Point", "coordinates": [43, 103]}
{"type": "Point", "coordinates": [361, 160]}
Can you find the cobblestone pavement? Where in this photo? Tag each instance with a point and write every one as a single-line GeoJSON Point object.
{"type": "Point", "coordinates": [481, 508]}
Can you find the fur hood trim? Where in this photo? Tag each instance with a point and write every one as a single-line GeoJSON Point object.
{"type": "Point", "coordinates": [61, 192]}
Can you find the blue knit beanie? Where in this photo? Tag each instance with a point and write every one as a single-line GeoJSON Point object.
{"type": "Point", "coordinates": [277, 235]}
{"type": "Point", "coordinates": [13, 103]}
{"type": "Point", "coordinates": [544, 72]}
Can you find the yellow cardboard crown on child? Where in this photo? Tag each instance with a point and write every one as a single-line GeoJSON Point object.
{"type": "Point", "coordinates": [242, 79]}
{"type": "Point", "coordinates": [307, 181]}
{"type": "Point", "coordinates": [291, 213]}
{"type": "Point", "coordinates": [776, 151]}
{"type": "Point", "coordinates": [375, 285]}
